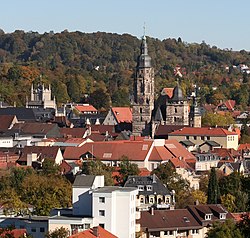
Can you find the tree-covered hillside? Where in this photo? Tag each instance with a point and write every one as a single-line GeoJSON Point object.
{"type": "Point", "coordinates": [102, 65]}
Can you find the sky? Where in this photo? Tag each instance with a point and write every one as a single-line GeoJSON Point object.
{"type": "Point", "coordinates": [220, 23]}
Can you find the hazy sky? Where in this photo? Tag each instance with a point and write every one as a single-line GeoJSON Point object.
{"type": "Point", "coordinates": [223, 23]}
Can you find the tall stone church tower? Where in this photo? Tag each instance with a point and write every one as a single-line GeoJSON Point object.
{"type": "Point", "coordinates": [143, 100]}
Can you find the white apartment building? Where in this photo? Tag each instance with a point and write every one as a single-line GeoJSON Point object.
{"type": "Point", "coordinates": [114, 208]}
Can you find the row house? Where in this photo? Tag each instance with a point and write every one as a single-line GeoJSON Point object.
{"type": "Point", "coordinates": [146, 153]}
{"type": "Point", "coordinates": [192, 222]}
{"type": "Point", "coordinates": [224, 138]}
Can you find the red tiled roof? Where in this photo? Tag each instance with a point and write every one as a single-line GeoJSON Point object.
{"type": "Point", "coordinates": [111, 150]}
{"type": "Point", "coordinates": [48, 152]}
{"type": "Point", "coordinates": [160, 153]}
{"type": "Point", "coordinates": [226, 153]}
{"type": "Point", "coordinates": [244, 147]}
{"type": "Point", "coordinates": [102, 233]}
{"type": "Point", "coordinates": [85, 108]}
{"type": "Point", "coordinates": [6, 121]}
{"type": "Point", "coordinates": [206, 131]}
{"type": "Point", "coordinates": [72, 132]}
{"type": "Point", "coordinates": [238, 216]}
{"type": "Point", "coordinates": [122, 114]}
{"type": "Point", "coordinates": [15, 233]}
{"type": "Point", "coordinates": [229, 104]}
{"type": "Point", "coordinates": [144, 172]}
{"type": "Point", "coordinates": [177, 150]}
{"type": "Point", "coordinates": [168, 91]}
{"type": "Point", "coordinates": [75, 140]}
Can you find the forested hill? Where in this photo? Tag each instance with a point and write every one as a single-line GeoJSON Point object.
{"type": "Point", "coordinates": [102, 65]}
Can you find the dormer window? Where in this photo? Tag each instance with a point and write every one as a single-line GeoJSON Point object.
{"type": "Point", "coordinates": [149, 188]}
{"type": "Point", "coordinates": [141, 188]}
{"type": "Point", "coordinates": [208, 217]}
{"type": "Point", "coordinates": [222, 216]}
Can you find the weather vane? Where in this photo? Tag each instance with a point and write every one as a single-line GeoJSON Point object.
{"type": "Point", "coordinates": [144, 28]}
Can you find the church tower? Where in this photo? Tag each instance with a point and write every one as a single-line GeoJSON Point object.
{"type": "Point", "coordinates": [143, 98]}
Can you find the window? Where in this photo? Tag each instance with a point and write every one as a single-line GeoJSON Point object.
{"type": "Point", "coordinates": [149, 188]}
{"type": "Point", "coordinates": [33, 229]}
{"type": "Point", "coordinates": [175, 110]}
{"type": "Point", "coordinates": [87, 226]}
{"type": "Point", "coordinates": [42, 229]}
{"type": "Point", "coordinates": [142, 200]}
{"type": "Point", "coordinates": [187, 137]}
{"type": "Point", "coordinates": [102, 213]}
{"type": "Point", "coordinates": [141, 188]}
{"type": "Point", "coordinates": [195, 231]}
{"type": "Point", "coordinates": [101, 199]}
{"type": "Point", "coordinates": [195, 137]}
{"type": "Point", "coordinates": [151, 200]}
{"type": "Point", "coordinates": [208, 137]}
{"type": "Point", "coordinates": [208, 217]}
{"type": "Point", "coordinates": [168, 233]}
{"type": "Point", "coordinates": [202, 137]}
{"type": "Point", "coordinates": [222, 216]}
{"type": "Point", "coordinates": [102, 225]}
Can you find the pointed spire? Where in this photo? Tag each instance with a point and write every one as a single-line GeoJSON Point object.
{"type": "Point", "coordinates": [144, 60]}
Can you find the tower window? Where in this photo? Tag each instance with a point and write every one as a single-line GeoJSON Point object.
{"type": "Point", "coordinates": [175, 110]}
{"type": "Point", "coordinates": [140, 110]}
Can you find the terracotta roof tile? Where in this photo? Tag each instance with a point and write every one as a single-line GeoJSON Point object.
{"type": "Point", "coordinates": [168, 91]}
{"type": "Point", "coordinates": [102, 233]}
{"type": "Point", "coordinates": [206, 131]}
{"type": "Point", "coordinates": [111, 150]}
{"type": "Point", "coordinates": [85, 108]}
{"type": "Point", "coordinates": [122, 114]}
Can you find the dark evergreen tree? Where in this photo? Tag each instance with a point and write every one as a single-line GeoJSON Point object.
{"type": "Point", "coordinates": [213, 188]}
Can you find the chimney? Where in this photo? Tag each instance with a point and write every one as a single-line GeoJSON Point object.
{"type": "Point", "coordinates": [96, 231]}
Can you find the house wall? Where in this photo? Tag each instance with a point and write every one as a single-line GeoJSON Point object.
{"type": "Point", "coordinates": [6, 142]}
{"type": "Point", "coordinates": [116, 203]}
{"type": "Point", "coordinates": [82, 202]}
{"type": "Point", "coordinates": [110, 119]}
{"type": "Point", "coordinates": [59, 157]}
{"type": "Point", "coordinates": [198, 140]}
{"type": "Point", "coordinates": [205, 165]}
{"type": "Point", "coordinates": [194, 181]}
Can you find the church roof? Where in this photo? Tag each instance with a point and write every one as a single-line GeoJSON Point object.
{"type": "Point", "coordinates": [177, 94]}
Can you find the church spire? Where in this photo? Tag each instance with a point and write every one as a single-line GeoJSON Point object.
{"type": "Point", "coordinates": [144, 60]}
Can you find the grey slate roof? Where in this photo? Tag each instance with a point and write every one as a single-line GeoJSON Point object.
{"type": "Point", "coordinates": [187, 143]}
{"type": "Point", "coordinates": [83, 180]}
{"type": "Point", "coordinates": [157, 186]}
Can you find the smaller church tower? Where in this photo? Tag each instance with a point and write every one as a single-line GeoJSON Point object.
{"type": "Point", "coordinates": [177, 108]}
{"type": "Point", "coordinates": [195, 114]}
{"type": "Point", "coordinates": [143, 93]}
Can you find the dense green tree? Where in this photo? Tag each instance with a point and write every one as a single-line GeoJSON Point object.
{"type": "Point", "coordinates": [127, 168]}
{"type": "Point", "coordinates": [228, 229]}
{"type": "Point", "coordinates": [213, 188]}
{"type": "Point", "coordinates": [213, 119]}
{"type": "Point", "coordinates": [174, 182]}
{"type": "Point", "coordinates": [58, 233]}
{"type": "Point", "coordinates": [50, 168]}
{"type": "Point", "coordinates": [96, 167]}
{"type": "Point", "coordinates": [100, 99]}
{"type": "Point", "coordinates": [45, 193]}
{"type": "Point", "coordinates": [244, 225]}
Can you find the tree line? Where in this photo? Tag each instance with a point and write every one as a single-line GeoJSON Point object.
{"type": "Point", "coordinates": [77, 63]}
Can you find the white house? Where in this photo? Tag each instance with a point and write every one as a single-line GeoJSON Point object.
{"type": "Point", "coordinates": [114, 208]}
